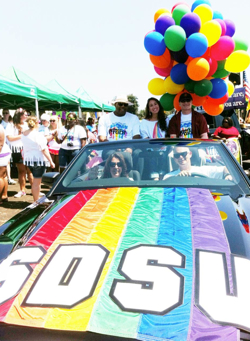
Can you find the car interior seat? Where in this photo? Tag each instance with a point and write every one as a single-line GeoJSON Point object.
{"type": "Point", "coordinates": [133, 174]}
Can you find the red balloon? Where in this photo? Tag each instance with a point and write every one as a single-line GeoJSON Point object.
{"type": "Point", "coordinates": [164, 72]}
{"type": "Point", "coordinates": [176, 101]}
{"type": "Point", "coordinates": [213, 66]}
{"type": "Point", "coordinates": [198, 100]}
{"type": "Point", "coordinates": [217, 101]}
{"type": "Point", "coordinates": [179, 3]}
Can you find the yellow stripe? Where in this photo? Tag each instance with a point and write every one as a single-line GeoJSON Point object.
{"type": "Point", "coordinates": [78, 230]}
{"type": "Point", "coordinates": [107, 232]}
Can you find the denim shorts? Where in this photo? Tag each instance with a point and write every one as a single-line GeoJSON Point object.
{"type": "Point", "coordinates": [65, 156]}
{"type": "Point", "coordinates": [37, 171]}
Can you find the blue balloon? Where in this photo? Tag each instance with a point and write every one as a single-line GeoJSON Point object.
{"type": "Point", "coordinates": [196, 45]}
{"type": "Point", "coordinates": [154, 43]}
{"type": "Point", "coordinates": [200, 2]}
{"type": "Point", "coordinates": [217, 15]}
{"type": "Point", "coordinates": [178, 74]}
{"type": "Point", "coordinates": [219, 88]}
{"type": "Point", "coordinates": [163, 23]}
{"type": "Point", "coordinates": [191, 23]}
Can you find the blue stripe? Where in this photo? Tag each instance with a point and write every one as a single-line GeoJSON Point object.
{"type": "Point", "coordinates": [175, 231]}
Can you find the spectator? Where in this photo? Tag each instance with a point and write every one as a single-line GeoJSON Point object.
{"type": "Point", "coordinates": [119, 125]}
{"type": "Point", "coordinates": [44, 127]}
{"type": "Point", "coordinates": [55, 125]}
{"type": "Point", "coordinates": [5, 121]}
{"type": "Point", "coordinates": [226, 130]}
{"type": "Point", "coordinates": [5, 154]}
{"type": "Point", "coordinates": [14, 134]}
{"type": "Point", "coordinates": [72, 138]}
{"type": "Point", "coordinates": [154, 124]}
{"type": "Point", "coordinates": [91, 130]}
{"type": "Point", "coordinates": [36, 154]}
{"type": "Point", "coordinates": [187, 123]}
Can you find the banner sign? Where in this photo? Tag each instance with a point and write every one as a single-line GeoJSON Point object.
{"type": "Point", "coordinates": [237, 100]}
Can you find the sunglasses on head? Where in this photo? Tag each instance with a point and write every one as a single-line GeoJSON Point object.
{"type": "Point", "coordinates": [185, 100]}
{"type": "Point", "coordinates": [178, 155]}
{"type": "Point", "coordinates": [113, 164]}
{"type": "Point", "coordinates": [71, 119]}
{"type": "Point", "coordinates": [123, 104]}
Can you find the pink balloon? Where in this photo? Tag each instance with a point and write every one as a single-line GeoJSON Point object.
{"type": "Point", "coordinates": [179, 3]}
{"type": "Point", "coordinates": [213, 66]}
{"type": "Point", "coordinates": [222, 25]}
{"type": "Point", "coordinates": [223, 48]}
{"type": "Point", "coordinates": [163, 72]}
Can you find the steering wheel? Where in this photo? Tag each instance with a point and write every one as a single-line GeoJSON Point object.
{"type": "Point", "coordinates": [199, 175]}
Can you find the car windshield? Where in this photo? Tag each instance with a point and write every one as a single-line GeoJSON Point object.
{"type": "Point", "coordinates": [165, 163]}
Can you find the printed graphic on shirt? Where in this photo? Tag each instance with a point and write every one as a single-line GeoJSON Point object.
{"type": "Point", "coordinates": [186, 130]}
{"type": "Point", "coordinates": [118, 130]}
{"type": "Point", "coordinates": [157, 131]}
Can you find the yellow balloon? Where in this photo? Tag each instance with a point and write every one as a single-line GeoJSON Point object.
{"type": "Point", "coordinates": [230, 88]}
{"type": "Point", "coordinates": [205, 13]}
{"type": "Point", "coordinates": [212, 30]}
{"type": "Point", "coordinates": [160, 12]}
{"type": "Point", "coordinates": [156, 87]}
{"type": "Point", "coordinates": [238, 61]}
{"type": "Point", "coordinates": [171, 87]}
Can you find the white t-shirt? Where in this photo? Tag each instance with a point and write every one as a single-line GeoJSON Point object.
{"type": "Point", "coordinates": [53, 144]}
{"type": "Point", "coordinates": [74, 137]}
{"type": "Point", "coordinates": [43, 129]}
{"type": "Point", "coordinates": [5, 153]}
{"type": "Point", "coordinates": [186, 126]}
{"type": "Point", "coordinates": [119, 127]}
{"type": "Point", "coordinates": [11, 130]}
{"type": "Point", "coordinates": [33, 144]}
{"type": "Point", "coordinates": [151, 129]}
{"type": "Point", "coordinates": [215, 172]}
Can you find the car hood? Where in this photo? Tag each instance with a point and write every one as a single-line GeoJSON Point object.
{"type": "Point", "coordinates": [139, 263]}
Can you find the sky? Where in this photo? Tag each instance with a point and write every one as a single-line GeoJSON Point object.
{"type": "Point", "coordinates": [96, 44]}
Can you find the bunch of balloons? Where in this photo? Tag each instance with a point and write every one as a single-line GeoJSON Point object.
{"type": "Point", "coordinates": [194, 50]}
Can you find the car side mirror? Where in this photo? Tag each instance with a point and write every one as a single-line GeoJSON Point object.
{"type": "Point", "coordinates": [50, 178]}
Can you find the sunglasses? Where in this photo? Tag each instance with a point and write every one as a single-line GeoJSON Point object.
{"type": "Point", "coordinates": [123, 104]}
{"type": "Point", "coordinates": [71, 119]}
{"type": "Point", "coordinates": [113, 164]}
{"type": "Point", "coordinates": [185, 100]}
{"type": "Point", "coordinates": [52, 120]}
{"type": "Point", "coordinates": [225, 122]}
{"type": "Point", "coordinates": [178, 155]}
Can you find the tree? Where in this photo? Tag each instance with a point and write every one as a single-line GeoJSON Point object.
{"type": "Point", "coordinates": [133, 109]}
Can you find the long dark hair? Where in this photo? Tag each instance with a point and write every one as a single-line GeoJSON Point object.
{"type": "Point", "coordinates": [17, 118]}
{"type": "Point", "coordinates": [119, 156]}
{"type": "Point", "coordinates": [161, 114]}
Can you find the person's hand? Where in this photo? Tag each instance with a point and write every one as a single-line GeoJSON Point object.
{"type": "Point", "coordinates": [93, 173]}
{"type": "Point", "coordinates": [52, 165]}
{"type": "Point", "coordinates": [184, 173]}
{"type": "Point", "coordinates": [129, 150]}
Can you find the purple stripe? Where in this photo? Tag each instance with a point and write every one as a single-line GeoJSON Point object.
{"type": "Point", "coordinates": [3, 155]}
{"type": "Point", "coordinates": [208, 235]}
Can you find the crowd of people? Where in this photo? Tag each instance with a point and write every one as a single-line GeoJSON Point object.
{"type": "Point", "coordinates": [52, 143]}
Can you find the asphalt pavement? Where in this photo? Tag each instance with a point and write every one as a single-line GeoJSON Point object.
{"type": "Point", "coordinates": [15, 205]}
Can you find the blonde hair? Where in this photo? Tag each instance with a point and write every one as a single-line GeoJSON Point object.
{"type": "Point", "coordinates": [58, 121]}
{"type": "Point", "coordinates": [32, 121]}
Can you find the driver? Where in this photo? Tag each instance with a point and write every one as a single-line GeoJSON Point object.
{"type": "Point", "coordinates": [182, 157]}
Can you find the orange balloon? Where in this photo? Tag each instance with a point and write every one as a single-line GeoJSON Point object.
{"type": "Point", "coordinates": [162, 61]}
{"type": "Point", "coordinates": [198, 69]}
{"type": "Point", "coordinates": [198, 100]}
{"type": "Point", "coordinates": [160, 12]}
{"type": "Point", "coordinates": [188, 60]}
{"type": "Point", "coordinates": [176, 101]}
{"type": "Point", "coordinates": [217, 101]}
{"type": "Point", "coordinates": [213, 109]}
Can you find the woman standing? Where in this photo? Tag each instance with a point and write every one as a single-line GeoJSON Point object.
{"type": "Point", "coordinates": [5, 154]}
{"type": "Point", "coordinates": [154, 124]}
{"type": "Point", "coordinates": [55, 125]}
{"type": "Point", "coordinates": [72, 138]}
{"type": "Point", "coordinates": [14, 134]}
{"type": "Point", "coordinates": [35, 154]}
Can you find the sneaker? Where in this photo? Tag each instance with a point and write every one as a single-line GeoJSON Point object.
{"type": "Point", "coordinates": [41, 194]}
{"type": "Point", "coordinates": [19, 194]}
{"type": "Point", "coordinates": [11, 182]}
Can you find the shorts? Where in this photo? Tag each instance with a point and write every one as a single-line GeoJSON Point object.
{"type": "Point", "coordinates": [65, 156]}
{"type": "Point", "coordinates": [17, 157]}
{"type": "Point", "coordinates": [37, 171]}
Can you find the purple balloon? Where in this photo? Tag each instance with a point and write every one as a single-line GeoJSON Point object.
{"type": "Point", "coordinates": [191, 23]}
{"type": "Point", "coordinates": [222, 25]}
{"type": "Point", "coordinates": [163, 23]}
{"type": "Point", "coordinates": [230, 28]}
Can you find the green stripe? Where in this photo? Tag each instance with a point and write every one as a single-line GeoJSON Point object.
{"type": "Point", "coordinates": [142, 228]}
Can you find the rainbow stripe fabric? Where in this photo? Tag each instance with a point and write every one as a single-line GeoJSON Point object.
{"type": "Point", "coordinates": [118, 219]}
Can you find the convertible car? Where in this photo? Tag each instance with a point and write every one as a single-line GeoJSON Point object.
{"type": "Point", "coordinates": [136, 240]}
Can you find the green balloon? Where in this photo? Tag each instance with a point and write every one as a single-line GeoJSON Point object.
{"type": "Point", "coordinates": [175, 38]}
{"type": "Point", "coordinates": [167, 101]}
{"type": "Point", "coordinates": [203, 87]}
{"type": "Point", "coordinates": [221, 64]}
{"type": "Point", "coordinates": [221, 74]}
{"type": "Point", "coordinates": [179, 12]}
{"type": "Point", "coordinates": [189, 86]}
{"type": "Point", "coordinates": [240, 44]}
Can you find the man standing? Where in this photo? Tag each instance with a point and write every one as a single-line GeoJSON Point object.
{"type": "Point", "coordinates": [187, 123]}
{"type": "Point", "coordinates": [119, 125]}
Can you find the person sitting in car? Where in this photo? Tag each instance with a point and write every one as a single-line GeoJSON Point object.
{"type": "Point", "coordinates": [182, 157]}
{"type": "Point", "coordinates": [227, 130]}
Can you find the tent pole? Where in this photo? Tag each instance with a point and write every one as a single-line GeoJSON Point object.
{"type": "Point", "coordinates": [79, 111]}
{"type": "Point", "coordinates": [37, 111]}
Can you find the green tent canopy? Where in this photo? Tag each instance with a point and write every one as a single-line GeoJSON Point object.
{"type": "Point", "coordinates": [84, 97]}
{"type": "Point", "coordinates": [47, 99]}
